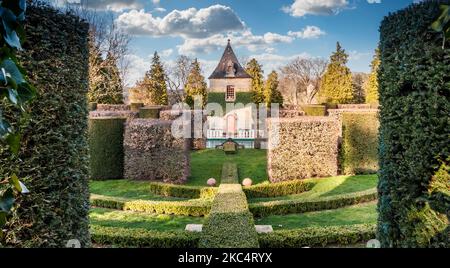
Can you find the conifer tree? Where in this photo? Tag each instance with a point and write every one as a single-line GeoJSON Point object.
{"type": "Point", "coordinates": [372, 84]}
{"type": "Point", "coordinates": [271, 92]}
{"type": "Point", "coordinates": [196, 85]}
{"type": "Point", "coordinates": [336, 85]}
{"type": "Point", "coordinates": [154, 86]}
{"type": "Point", "coordinates": [254, 69]}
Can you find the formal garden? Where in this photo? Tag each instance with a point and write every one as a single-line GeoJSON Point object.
{"type": "Point", "coordinates": [114, 175]}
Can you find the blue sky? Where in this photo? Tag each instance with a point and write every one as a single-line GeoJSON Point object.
{"type": "Point", "coordinates": [273, 31]}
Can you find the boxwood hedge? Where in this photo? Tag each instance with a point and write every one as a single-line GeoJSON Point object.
{"type": "Point", "coordinates": [414, 80]}
{"type": "Point", "coordinates": [106, 147]}
{"type": "Point", "coordinates": [318, 236]}
{"type": "Point", "coordinates": [191, 192]}
{"type": "Point", "coordinates": [278, 189]}
{"type": "Point", "coordinates": [54, 153]}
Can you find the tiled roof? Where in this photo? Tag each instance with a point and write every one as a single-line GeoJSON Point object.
{"type": "Point", "coordinates": [229, 66]}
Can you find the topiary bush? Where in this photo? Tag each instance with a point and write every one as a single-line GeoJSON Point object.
{"type": "Point", "coordinates": [359, 148]}
{"type": "Point", "coordinates": [278, 189]}
{"type": "Point", "coordinates": [106, 147]}
{"type": "Point", "coordinates": [54, 151]}
{"type": "Point", "coordinates": [414, 80]}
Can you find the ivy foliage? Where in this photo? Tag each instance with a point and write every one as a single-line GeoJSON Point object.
{"type": "Point", "coordinates": [414, 82]}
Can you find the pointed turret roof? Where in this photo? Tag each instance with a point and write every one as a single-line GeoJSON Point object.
{"type": "Point", "coordinates": [229, 66]}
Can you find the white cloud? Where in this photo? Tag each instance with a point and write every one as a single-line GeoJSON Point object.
{"type": "Point", "coordinates": [356, 55]}
{"type": "Point", "coordinates": [160, 9]}
{"type": "Point", "coordinates": [189, 23]}
{"type": "Point", "coordinates": [309, 32]}
{"type": "Point", "coordinates": [113, 5]}
{"type": "Point", "coordinates": [273, 62]}
{"type": "Point", "coordinates": [301, 8]}
{"type": "Point", "coordinates": [167, 53]}
{"type": "Point", "coordinates": [137, 68]}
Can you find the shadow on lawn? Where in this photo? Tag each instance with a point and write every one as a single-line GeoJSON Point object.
{"type": "Point", "coordinates": [353, 184]}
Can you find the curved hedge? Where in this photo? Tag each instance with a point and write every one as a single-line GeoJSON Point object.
{"type": "Point", "coordinates": [278, 189]}
{"type": "Point", "coordinates": [197, 208]}
{"type": "Point", "coordinates": [414, 80]}
{"type": "Point", "coordinates": [54, 153]}
{"type": "Point", "coordinates": [282, 207]}
{"type": "Point", "coordinates": [318, 236]}
{"type": "Point", "coordinates": [106, 147]}
{"type": "Point", "coordinates": [141, 238]}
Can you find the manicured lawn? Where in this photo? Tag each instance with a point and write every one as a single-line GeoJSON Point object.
{"type": "Point", "coordinates": [208, 164]}
{"type": "Point", "coordinates": [132, 220]}
{"type": "Point", "coordinates": [126, 189]}
{"type": "Point", "coordinates": [332, 186]}
{"type": "Point", "coordinates": [359, 214]}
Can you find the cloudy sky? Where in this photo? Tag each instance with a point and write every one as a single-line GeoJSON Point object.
{"type": "Point", "coordinates": [272, 31]}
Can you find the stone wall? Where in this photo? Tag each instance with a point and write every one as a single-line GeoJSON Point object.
{"type": "Point", "coordinates": [302, 147]}
{"type": "Point", "coordinates": [240, 84]}
{"type": "Point", "coordinates": [153, 153]}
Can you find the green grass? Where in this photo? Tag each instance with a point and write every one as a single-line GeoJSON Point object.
{"type": "Point", "coordinates": [126, 189]}
{"type": "Point", "coordinates": [135, 220]}
{"type": "Point", "coordinates": [208, 164]}
{"type": "Point", "coordinates": [331, 187]}
{"type": "Point", "coordinates": [359, 214]}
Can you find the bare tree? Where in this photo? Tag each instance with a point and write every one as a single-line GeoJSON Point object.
{"type": "Point", "coordinates": [177, 76]}
{"type": "Point", "coordinates": [300, 79]}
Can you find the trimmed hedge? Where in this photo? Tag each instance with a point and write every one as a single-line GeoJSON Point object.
{"type": "Point", "coordinates": [135, 107]}
{"type": "Point", "coordinates": [283, 207]}
{"type": "Point", "coordinates": [318, 236]}
{"type": "Point", "coordinates": [315, 110]}
{"type": "Point", "coordinates": [150, 112]}
{"type": "Point", "coordinates": [54, 148]}
{"type": "Point", "coordinates": [359, 148]}
{"type": "Point", "coordinates": [106, 147]}
{"type": "Point", "coordinates": [241, 97]}
{"type": "Point", "coordinates": [197, 208]}
{"type": "Point", "coordinates": [141, 238]}
{"type": "Point", "coordinates": [230, 224]}
{"type": "Point", "coordinates": [278, 189]}
{"type": "Point", "coordinates": [191, 192]}
{"type": "Point", "coordinates": [414, 80]}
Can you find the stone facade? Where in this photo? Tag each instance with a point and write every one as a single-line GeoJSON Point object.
{"type": "Point", "coordinates": [239, 84]}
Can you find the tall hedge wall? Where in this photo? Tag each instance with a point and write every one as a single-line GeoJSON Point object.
{"type": "Point", "coordinates": [54, 148]}
{"type": "Point", "coordinates": [241, 97]}
{"type": "Point", "coordinates": [414, 95]}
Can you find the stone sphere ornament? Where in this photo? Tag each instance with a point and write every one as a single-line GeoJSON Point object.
{"type": "Point", "coordinates": [212, 182]}
{"type": "Point", "coordinates": [247, 182]}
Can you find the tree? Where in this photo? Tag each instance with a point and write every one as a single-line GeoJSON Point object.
{"type": "Point", "coordinates": [372, 83]}
{"type": "Point", "coordinates": [254, 69]}
{"type": "Point", "coordinates": [359, 87]}
{"type": "Point", "coordinates": [177, 78]}
{"type": "Point", "coordinates": [301, 79]}
{"type": "Point", "coordinates": [271, 92]}
{"type": "Point", "coordinates": [154, 86]}
{"type": "Point", "coordinates": [336, 85]}
{"type": "Point", "coordinates": [196, 85]}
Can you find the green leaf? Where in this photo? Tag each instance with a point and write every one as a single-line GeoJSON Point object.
{"type": "Point", "coordinates": [10, 23]}
{"type": "Point", "coordinates": [17, 7]}
{"type": "Point", "coordinates": [13, 96]}
{"type": "Point", "coordinates": [26, 92]}
{"type": "Point", "coordinates": [13, 141]}
{"type": "Point", "coordinates": [443, 19]}
{"type": "Point", "coordinates": [12, 70]}
{"type": "Point", "coordinates": [14, 180]}
{"type": "Point", "coordinates": [2, 219]}
{"type": "Point", "coordinates": [5, 128]}
{"type": "Point", "coordinates": [7, 201]}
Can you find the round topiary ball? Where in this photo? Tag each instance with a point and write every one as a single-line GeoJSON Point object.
{"type": "Point", "coordinates": [247, 182]}
{"type": "Point", "coordinates": [211, 182]}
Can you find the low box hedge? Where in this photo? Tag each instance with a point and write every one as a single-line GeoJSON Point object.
{"type": "Point", "coordinates": [141, 238]}
{"type": "Point", "coordinates": [318, 236]}
{"type": "Point", "coordinates": [314, 110]}
{"type": "Point", "coordinates": [283, 207]}
{"type": "Point", "coordinates": [230, 224]}
{"type": "Point", "coordinates": [191, 192]}
{"type": "Point", "coordinates": [278, 189]}
{"type": "Point", "coordinates": [197, 208]}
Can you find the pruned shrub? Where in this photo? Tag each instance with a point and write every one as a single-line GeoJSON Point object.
{"type": "Point", "coordinates": [230, 224]}
{"type": "Point", "coordinates": [282, 207]}
{"type": "Point", "coordinates": [106, 147]}
{"type": "Point", "coordinates": [164, 189]}
{"type": "Point", "coordinates": [315, 110]}
{"type": "Point", "coordinates": [303, 147]}
{"type": "Point", "coordinates": [278, 189]}
{"type": "Point", "coordinates": [153, 153]}
{"type": "Point", "coordinates": [414, 80]}
{"type": "Point", "coordinates": [150, 112]}
{"type": "Point", "coordinates": [359, 148]}
{"type": "Point", "coordinates": [142, 238]}
{"type": "Point", "coordinates": [54, 153]}
{"type": "Point", "coordinates": [318, 236]}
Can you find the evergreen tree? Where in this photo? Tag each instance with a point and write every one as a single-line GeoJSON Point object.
{"type": "Point", "coordinates": [271, 92]}
{"type": "Point", "coordinates": [372, 84]}
{"type": "Point", "coordinates": [154, 86]}
{"type": "Point", "coordinates": [254, 69]}
{"type": "Point", "coordinates": [105, 84]}
{"type": "Point", "coordinates": [336, 85]}
{"type": "Point", "coordinates": [196, 85]}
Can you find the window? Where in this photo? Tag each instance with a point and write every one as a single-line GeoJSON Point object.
{"type": "Point", "coordinates": [230, 95]}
